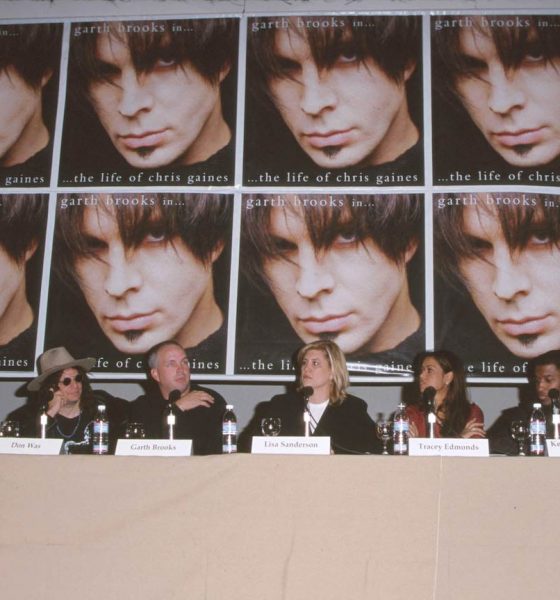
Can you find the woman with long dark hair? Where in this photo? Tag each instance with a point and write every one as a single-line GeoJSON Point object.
{"type": "Point", "coordinates": [456, 416]}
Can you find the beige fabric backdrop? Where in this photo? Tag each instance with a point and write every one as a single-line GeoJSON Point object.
{"type": "Point", "coordinates": [261, 527]}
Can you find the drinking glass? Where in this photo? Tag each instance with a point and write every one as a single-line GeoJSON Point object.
{"type": "Point", "coordinates": [135, 431]}
{"type": "Point", "coordinates": [9, 429]}
{"type": "Point", "coordinates": [271, 426]}
{"type": "Point", "coordinates": [384, 433]}
{"type": "Point", "coordinates": [520, 433]}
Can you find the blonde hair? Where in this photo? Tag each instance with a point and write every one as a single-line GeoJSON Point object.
{"type": "Point", "coordinates": [337, 363]}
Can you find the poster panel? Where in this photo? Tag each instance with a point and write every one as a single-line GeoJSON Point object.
{"type": "Point", "coordinates": [345, 267]}
{"type": "Point", "coordinates": [23, 221]}
{"type": "Point", "coordinates": [151, 103]}
{"type": "Point", "coordinates": [333, 100]}
{"type": "Point", "coordinates": [495, 85]}
{"type": "Point", "coordinates": [132, 269]}
{"type": "Point", "coordinates": [498, 261]}
{"type": "Point", "coordinates": [343, 190]}
{"type": "Point", "coordinates": [29, 62]}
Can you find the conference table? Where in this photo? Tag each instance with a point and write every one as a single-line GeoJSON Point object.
{"type": "Point", "coordinates": [279, 527]}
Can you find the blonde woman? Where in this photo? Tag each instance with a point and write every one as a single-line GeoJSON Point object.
{"type": "Point", "coordinates": [322, 379]}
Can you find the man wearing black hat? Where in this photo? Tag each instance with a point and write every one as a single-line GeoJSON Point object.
{"type": "Point", "coordinates": [64, 393]}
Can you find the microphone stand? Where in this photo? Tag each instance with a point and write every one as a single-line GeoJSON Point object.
{"type": "Point", "coordinates": [43, 420]}
{"type": "Point", "coordinates": [170, 421]}
{"type": "Point", "coordinates": [431, 420]}
{"type": "Point", "coordinates": [306, 392]}
{"type": "Point", "coordinates": [306, 421]}
{"type": "Point", "coordinates": [555, 419]}
{"type": "Point", "coordinates": [174, 395]}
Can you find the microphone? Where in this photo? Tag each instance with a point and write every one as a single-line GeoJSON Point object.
{"type": "Point", "coordinates": [554, 395]}
{"type": "Point", "coordinates": [306, 391]}
{"type": "Point", "coordinates": [428, 396]}
{"type": "Point", "coordinates": [174, 395]}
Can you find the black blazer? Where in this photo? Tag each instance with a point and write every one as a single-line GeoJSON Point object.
{"type": "Point", "coordinates": [351, 429]}
{"type": "Point", "coordinates": [202, 425]}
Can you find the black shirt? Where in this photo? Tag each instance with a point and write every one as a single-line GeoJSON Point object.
{"type": "Point", "coordinates": [202, 425]}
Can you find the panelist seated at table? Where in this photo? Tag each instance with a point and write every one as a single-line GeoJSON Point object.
{"type": "Point", "coordinates": [321, 393]}
{"type": "Point", "coordinates": [544, 378]}
{"type": "Point", "coordinates": [198, 411]}
{"type": "Point", "coordinates": [64, 393]}
{"type": "Point", "coordinates": [456, 416]}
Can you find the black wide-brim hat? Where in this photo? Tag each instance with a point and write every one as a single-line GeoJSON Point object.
{"type": "Point", "coordinates": [57, 359]}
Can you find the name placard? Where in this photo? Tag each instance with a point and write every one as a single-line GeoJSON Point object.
{"type": "Point", "coordinates": [553, 448]}
{"type": "Point", "coordinates": [448, 447]}
{"type": "Point", "coordinates": [286, 444]}
{"type": "Point", "coordinates": [153, 447]}
{"type": "Point", "coordinates": [30, 446]}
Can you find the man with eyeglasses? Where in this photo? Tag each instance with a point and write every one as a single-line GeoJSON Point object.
{"type": "Point", "coordinates": [64, 393]}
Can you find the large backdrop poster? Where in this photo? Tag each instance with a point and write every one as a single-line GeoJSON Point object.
{"type": "Point", "coordinates": [246, 183]}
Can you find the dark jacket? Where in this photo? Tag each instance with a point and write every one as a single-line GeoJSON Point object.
{"type": "Point", "coordinates": [351, 429]}
{"type": "Point", "coordinates": [202, 425]}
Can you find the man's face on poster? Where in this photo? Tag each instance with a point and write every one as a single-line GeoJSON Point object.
{"type": "Point", "coordinates": [350, 292]}
{"type": "Point", "coordinates": [12, 285]}
{"type": "Point", "coordinates": [22, 131]}
{"type": "Point", "coordinates": [144, 294]}
{"type": "Point", "coordinates": [350, 113]}
{"type": "Point", "coordinates": [516, 290]}
{"type": "Point", "coordinates": [168, 114]}
{"type": "Point", "coordinates": [517, 108]}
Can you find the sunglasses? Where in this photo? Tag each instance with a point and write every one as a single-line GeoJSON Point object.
{"type": "Point", "coordinates": [68, 380]}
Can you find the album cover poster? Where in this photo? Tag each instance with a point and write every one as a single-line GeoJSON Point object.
{"type": "Point", "coordinates": [132, 269]}
{"type": "Point", "coordinates": [151, 103]}
{"type": "Point", "coordinates": [334, 100]}
{"type": "Point", "coordinates": [23, 222]}
{"type": "Point", "coordinates": [29, 74]}
{"type": "Point", "coordinates": [495, 86]}
{"type": "Point", "coordinates": [344, 267]}
{"type": "Point", "coordinates": [497, 262]}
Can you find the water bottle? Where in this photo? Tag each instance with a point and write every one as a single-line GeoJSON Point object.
{"type": "Point", "coordinates": [400, 431]}
{"type": "Point", "coordinates": [100, 431]}
{"type": "Point", "coordinates": [537, 431]}
{"type": "Point", "coordinates": [229, 431]}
